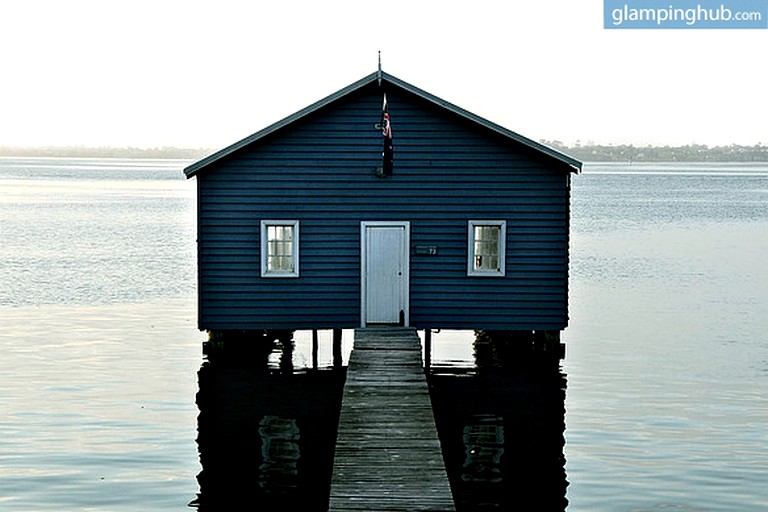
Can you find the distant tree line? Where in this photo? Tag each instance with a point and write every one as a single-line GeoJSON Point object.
{"type": "Point", "coordinates": [105, 152]}
{"type": "Point", "coordinates": [690, 153]}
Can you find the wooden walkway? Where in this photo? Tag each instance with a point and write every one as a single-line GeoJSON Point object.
{"type": "Point", "coordinates": [387, 451]}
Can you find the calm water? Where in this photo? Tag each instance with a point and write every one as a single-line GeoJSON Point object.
{"type": "Point", "coordinates": [109, 404]}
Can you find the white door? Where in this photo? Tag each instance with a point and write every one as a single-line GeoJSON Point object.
{"type": "Point", "coordinates": [384, 247]}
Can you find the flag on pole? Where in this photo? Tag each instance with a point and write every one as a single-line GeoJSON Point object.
{"type": "Point", "coordinates": [386, 131]}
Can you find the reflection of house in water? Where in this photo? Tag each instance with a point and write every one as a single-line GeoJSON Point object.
{"type": "Point", "coordinates": [501, 423]}
{"type": "Point", "coordinates": [266, 430]}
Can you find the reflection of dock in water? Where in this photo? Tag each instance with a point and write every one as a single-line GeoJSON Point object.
{"type": "Point", "coordinates": [388, 455]}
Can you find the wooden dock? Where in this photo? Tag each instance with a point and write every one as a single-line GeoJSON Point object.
{"type": "Point", "coordinates": [388, 454]}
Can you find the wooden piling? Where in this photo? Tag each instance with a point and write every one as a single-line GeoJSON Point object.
{"type": "Point", "coordinates": [337, 359]}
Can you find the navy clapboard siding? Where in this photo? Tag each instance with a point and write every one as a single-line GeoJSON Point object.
{"type": "Point", "coordinates": [319, 169]}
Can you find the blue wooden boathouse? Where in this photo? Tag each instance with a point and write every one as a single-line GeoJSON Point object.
{"type": "Point", "coordinates": [317, 222]}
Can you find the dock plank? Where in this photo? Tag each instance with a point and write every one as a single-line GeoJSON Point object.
{"type": "Point", "coordinates": [388, 454]}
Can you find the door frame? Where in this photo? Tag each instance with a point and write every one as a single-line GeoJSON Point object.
{"type": "Point", "coordinates": [405, 291]}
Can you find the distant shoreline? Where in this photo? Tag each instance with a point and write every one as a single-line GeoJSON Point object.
{"type": "Point", "coordinates": [105, 152]}
{"type": "Point", "coordinates": [638, 154]}
{"type": "Point", "coordinates": [584, 153]}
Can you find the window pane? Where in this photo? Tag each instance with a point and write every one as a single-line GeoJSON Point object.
{"type": "Point", "coordinates": [487, 247]}
{"type": "Point", "coordinates": [285, 232]}
{"type": "Point", "coordinates": [280, 248]}
{"type": "Point", "coordinates": [280, 233]}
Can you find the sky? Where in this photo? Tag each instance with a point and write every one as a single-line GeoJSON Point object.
{"type": "Point", "coordinates": [200, 74]}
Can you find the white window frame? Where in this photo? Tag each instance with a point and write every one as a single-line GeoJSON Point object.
{"type": "Point", "coordinates": [502, 248]}
{"type": "Point", "coordinates": [265, 225]}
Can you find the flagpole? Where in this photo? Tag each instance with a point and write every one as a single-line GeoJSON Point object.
{"type": "Point", "coordinates": [387, 150]}
{"type": "Point", "coordinates": [386, 131]}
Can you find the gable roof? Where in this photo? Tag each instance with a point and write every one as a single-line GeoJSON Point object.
{"type": "Point", "coordinates": [196, 167]}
